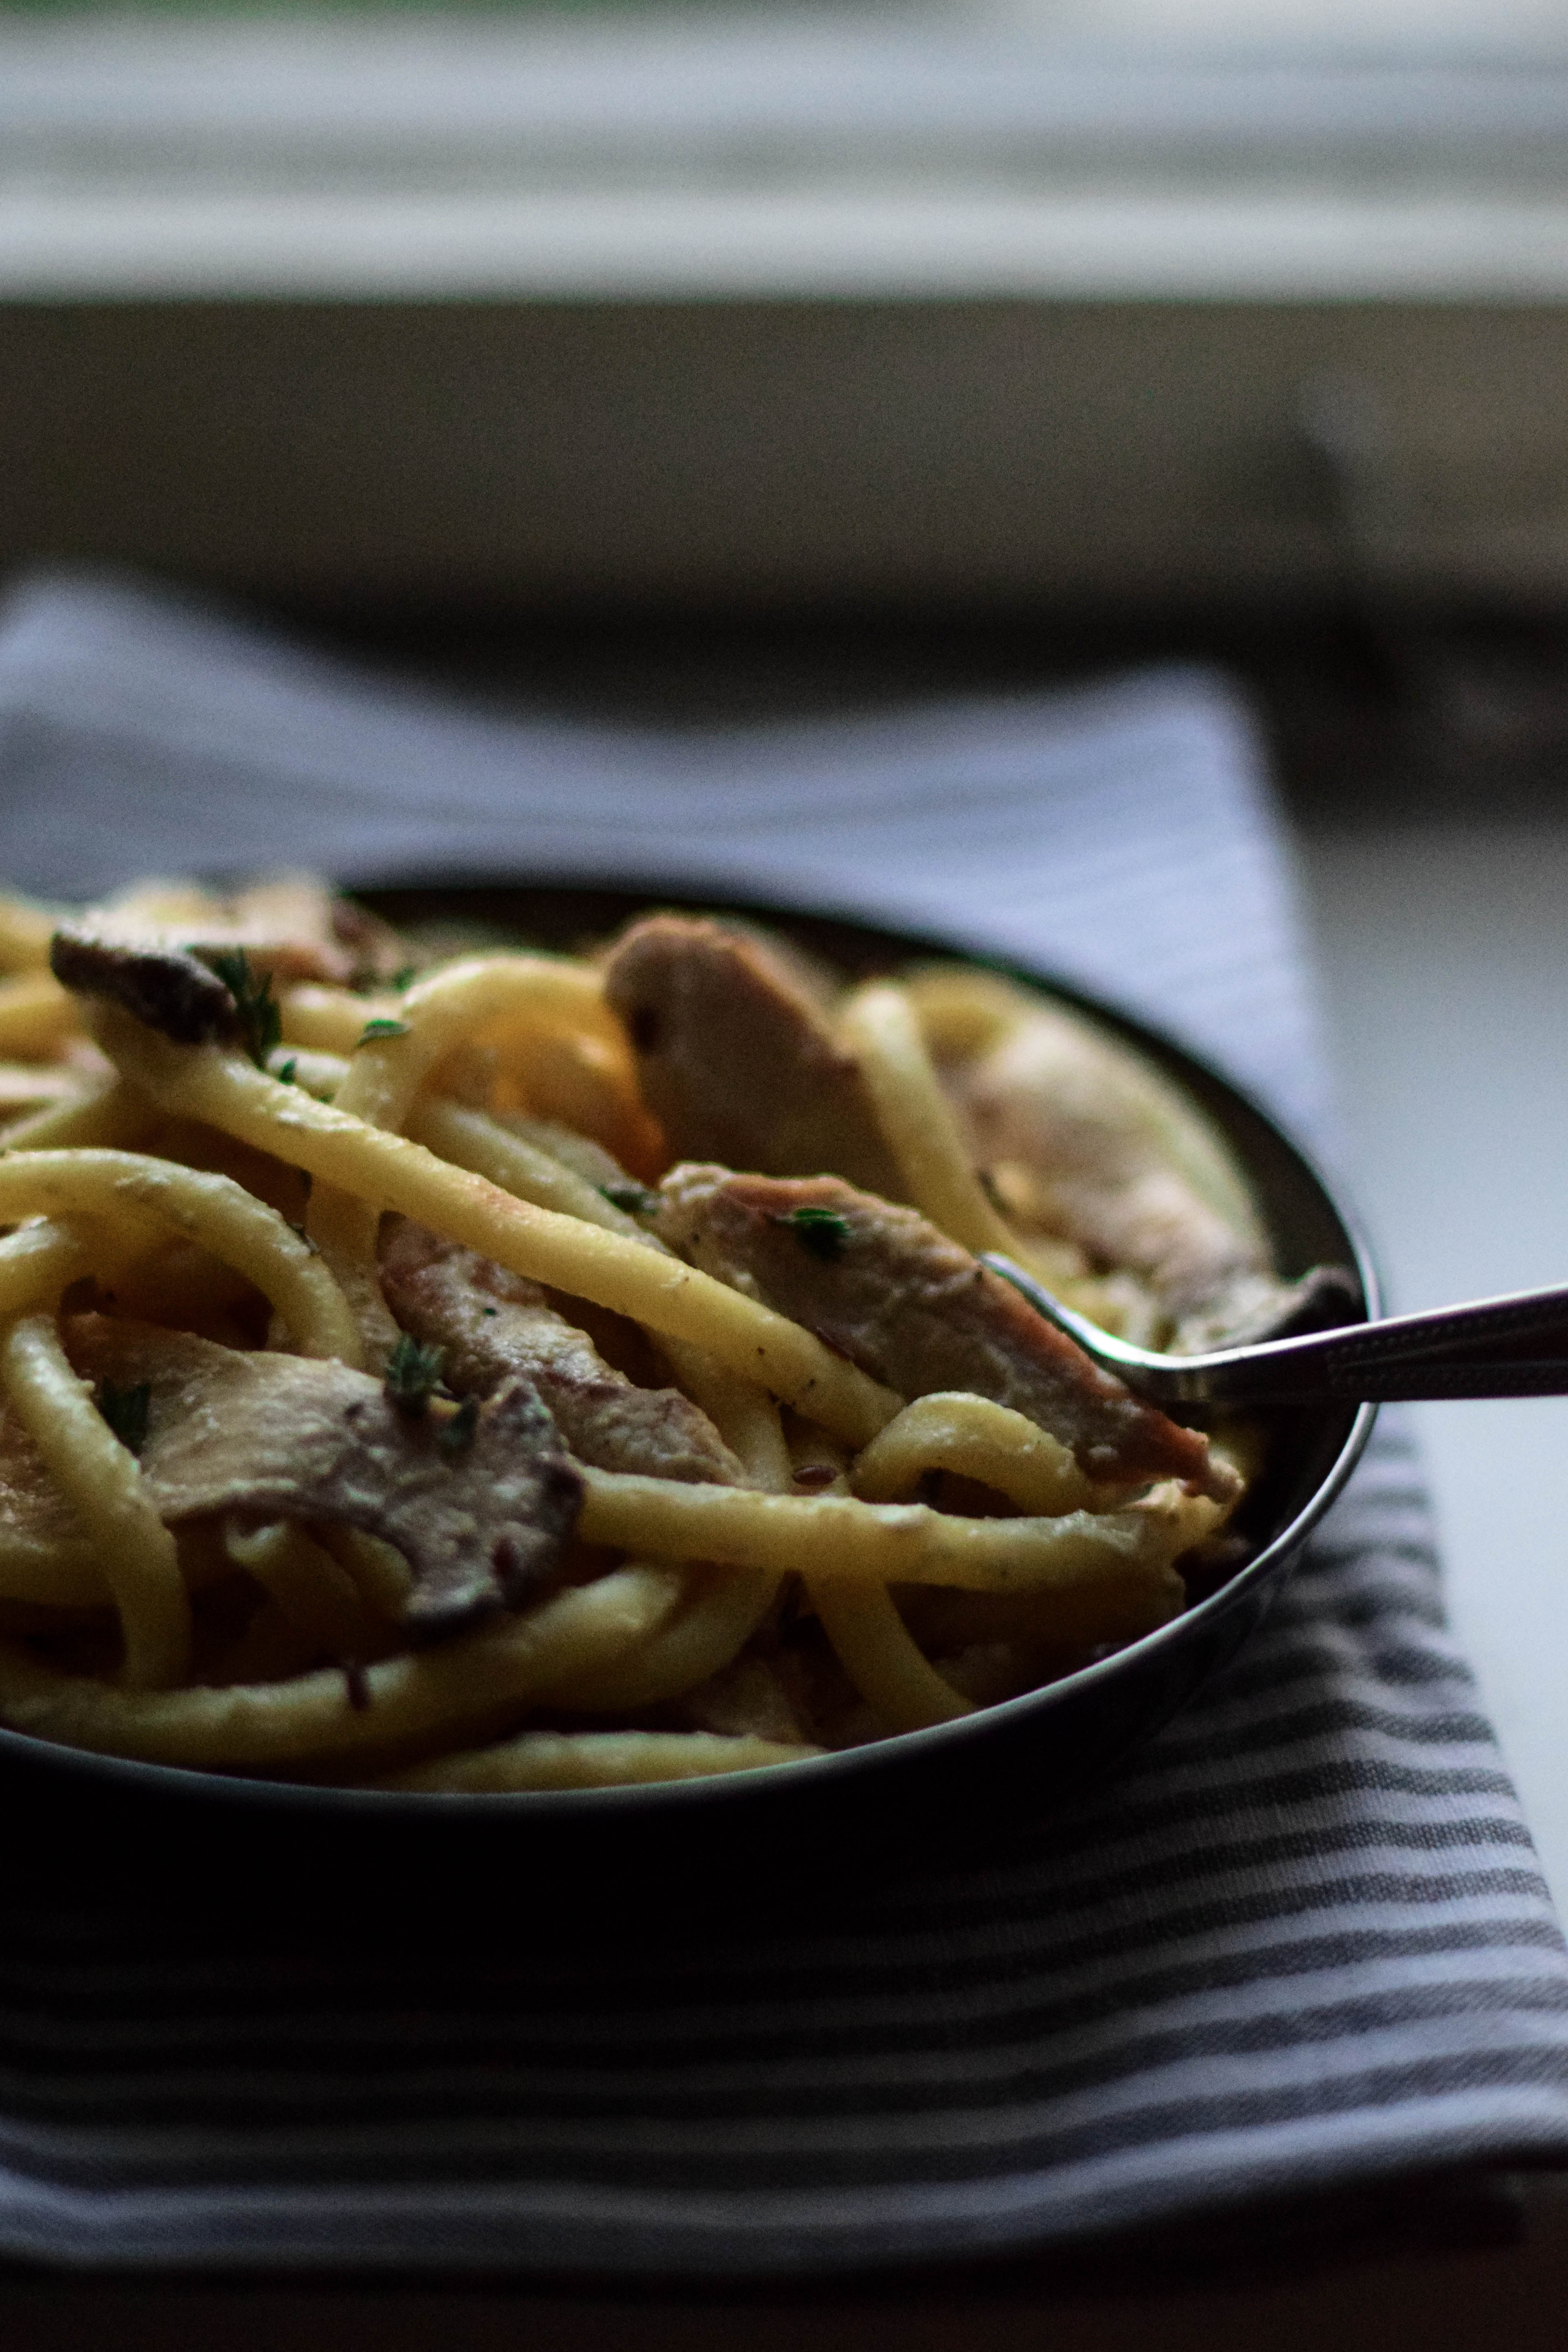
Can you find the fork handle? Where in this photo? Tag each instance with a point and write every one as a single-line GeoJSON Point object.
{"type": "Point", "coordinates": [1512, 1345]}
{"type": "Point", "coordinates": [1407, 1383]}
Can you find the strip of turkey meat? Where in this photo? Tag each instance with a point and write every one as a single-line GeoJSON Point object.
{"type": "Point", "coordinates": [886, 1289]}
{"type": "Point", "coordinates": [736, 1056]}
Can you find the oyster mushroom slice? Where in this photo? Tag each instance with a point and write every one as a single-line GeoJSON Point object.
{"type": "Point", "coordinates": [896, 1297]}
{"type": "Point", "coordinates": [482, 1523]}
{"type": "Point", "coordinates": [167, 987]}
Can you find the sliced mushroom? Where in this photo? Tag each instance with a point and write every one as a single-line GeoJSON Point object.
{"type": "Point", "coordinates": [165, 986]}
{"type": "Point", "coordinates": [159, 953]}
{"type": "Point", "coordinates": [480, 1507]}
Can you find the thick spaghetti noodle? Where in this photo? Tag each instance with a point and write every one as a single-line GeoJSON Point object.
{"type": "Point", "coordinates": [400, 1387]}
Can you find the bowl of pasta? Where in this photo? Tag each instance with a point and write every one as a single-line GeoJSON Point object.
{"type": "Point", "coordinates": [523, 1356]}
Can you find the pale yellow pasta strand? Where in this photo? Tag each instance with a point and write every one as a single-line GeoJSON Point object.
{"type": "Point", "coordinates": [961, 1012]}
{"type": "Point", "coordinates": [1113, 1565]}
{"type": "Point", "coordinates": [319, 1074]}
{"type": "Point", "coordinates": [471, 1139]}
{"type": "Point", "coordinates": [210, 1209]}
{"type": "Point", "coordinates": [106, 1117]}
{"type": "Point", "coordinates": [36, 1262]}
{"type": "Point", "coordinates": [102, 1484]}
{"type": "Point", "coordinates": [879, 1024]}
{"type": "Point", "coordinates": [451, 1008]}
{"type": "Point", "coordinates": [331, 1228]}
{"type": "Point", "coordinates": [63, 1574]}
{"type": "Point", "coordinates": [36, 1014]}
{"type": "Point", "coordinates": [307, 1583]}
{"type": "Point", "coordinates": [463, 1691]}
{"type": "Point", "coordinates": [331, 1020]}
{"type": "Point", "coordinates": [729, 1604]}
{"type": "Point", "coordinates": [881, 1657]}
{"type": "Point", "coordinates": [720, 1610]}
{"type": "Point", "coordinates": [586, 1262]}
{"type": "Point", "coordinates": [456, 1006]}
{"type": "Point", "coordinates": [594, 1759]}
{"type": "Point", "coordinates": [874, 1645]}
{"type": "Point", "coordinates": [29, 1087]}
{"type": "Point", "coordinates": [26, 931]}
{"type": "Point", "coordinates": [977, 1439]}
{"type": "Point", "coordinates": [381, 1576]}
{"type": "Point", "coordinates": [722, 1607]}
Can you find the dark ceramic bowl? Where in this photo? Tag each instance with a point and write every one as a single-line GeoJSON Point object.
{"type": "Point", "coordinates": [1019, 1756]}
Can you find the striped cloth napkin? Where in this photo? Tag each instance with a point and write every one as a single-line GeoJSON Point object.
{"type": "Point", "coordinates": [1299, 1942]}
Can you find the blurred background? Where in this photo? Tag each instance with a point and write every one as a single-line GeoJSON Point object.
{"type": "Point", "coordinates": [728, 361]}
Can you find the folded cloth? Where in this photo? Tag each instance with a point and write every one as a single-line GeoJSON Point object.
{"type": "Point", "coordinates": [1296, 1942]}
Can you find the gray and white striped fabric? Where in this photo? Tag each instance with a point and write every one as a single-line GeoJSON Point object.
{"type": "Point", "coordinates": [1298, 1941]}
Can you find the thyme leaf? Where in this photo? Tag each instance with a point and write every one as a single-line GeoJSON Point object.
{"type": "Point", "coordinates": [635, 1198]}
{"type": "Point", "coordinates": [255, 1007]}
{"type": "Point", "coordinates": [821, 1231]}
{"type": "Point", "coordinates": [125, 1411]}
{"type": "Point", "coordinates": [374, 1029]}
{"type": "Point", "coordinates": [412, 1374]}
{"type": "Point", "coordinates": [454, 1437]}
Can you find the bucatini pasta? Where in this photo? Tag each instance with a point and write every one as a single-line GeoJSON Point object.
{"type": "Point", "coordinates": [519, 1371]}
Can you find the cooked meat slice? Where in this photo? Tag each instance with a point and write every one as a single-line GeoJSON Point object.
{"type": "Point", "coordinates": [735, 1055]}
{"type": "Point", "coordinates": [481, 1516]}
{"type": "Point", "coordinates": [886, 1289]}
{"type": "Point", "coordinates": [493, 1325]}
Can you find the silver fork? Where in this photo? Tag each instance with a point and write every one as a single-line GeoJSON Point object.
{"type": "Point", "coordinates": [1513, 1346]}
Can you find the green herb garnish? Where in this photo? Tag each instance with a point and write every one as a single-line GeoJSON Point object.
{"type": "Point", "coordinates": [286, 1071]}
{"type": "Point", "coordinates": [635, 1198]}
{"type": "Point", "coordinates": [256, 1008]}
{"type": "Point", "coordinates": [412, 1374]}
{"type": "Point", "coordinates": [404, 977]}
{"type": "Point", "coordinates": [455, 1436]}
{"type": "Point", "coordinates": [382, 1029]}
{"type": "Point", "coordinates": [125, 1411]}
{"type": "Point", "coordinates": [823, 1231]}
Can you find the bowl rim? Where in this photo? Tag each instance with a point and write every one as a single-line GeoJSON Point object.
{"type": "Point", "coordinates": [725, 1793]}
